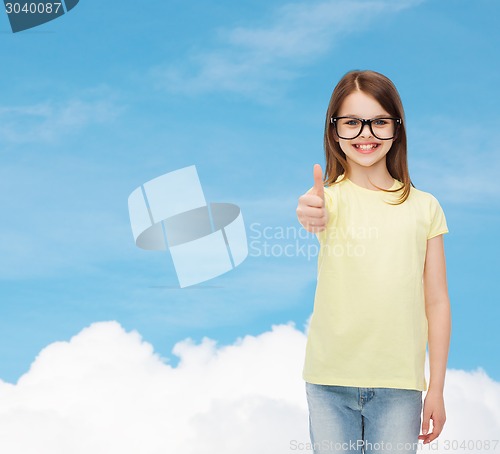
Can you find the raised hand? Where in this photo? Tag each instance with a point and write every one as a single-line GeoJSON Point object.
{"type": "Point", "coordinates": [311, 210]}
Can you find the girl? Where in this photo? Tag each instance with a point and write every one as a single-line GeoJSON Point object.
{"type": "Point", "coordinates": [381, 293]}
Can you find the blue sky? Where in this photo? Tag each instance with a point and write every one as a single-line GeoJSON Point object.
{"type": "Point", "coordinates": [114, 94]}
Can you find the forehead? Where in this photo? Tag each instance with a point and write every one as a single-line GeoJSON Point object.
{"type": "Point", "coordinates": [362, 105]}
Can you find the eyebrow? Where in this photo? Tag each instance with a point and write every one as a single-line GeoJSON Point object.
{"type": "Point", "coordinates": [359, 116]}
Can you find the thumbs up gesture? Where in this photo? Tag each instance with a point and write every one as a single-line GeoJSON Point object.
{"type": "Point", "coordinates": [311, 210]}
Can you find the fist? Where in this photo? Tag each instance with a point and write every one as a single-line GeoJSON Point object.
{"type": "Point", "coordinates": [311, 210]}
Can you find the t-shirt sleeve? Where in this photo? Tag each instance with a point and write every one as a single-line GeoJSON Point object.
{"type": "Point", "coordinates": [438, 224]}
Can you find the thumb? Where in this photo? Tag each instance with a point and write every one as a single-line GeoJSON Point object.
{"type": "Point", "coordinates": [426, 422]}
{"type": "Point", "coordinates": [318, 181]}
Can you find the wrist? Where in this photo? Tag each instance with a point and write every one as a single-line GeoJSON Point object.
{"type": "Point", "coordinates": [434, 389]}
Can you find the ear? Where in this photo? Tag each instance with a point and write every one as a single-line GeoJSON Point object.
{"type": "Point", "coordinates": [396, 137]}
{"type": "Point", "coordinates": [333, 129]}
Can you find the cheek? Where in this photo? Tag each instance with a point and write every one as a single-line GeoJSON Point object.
{"type": "Point", "coordinates": [387, 147]}
{"type": "Point", "coordinates": [345, 146]}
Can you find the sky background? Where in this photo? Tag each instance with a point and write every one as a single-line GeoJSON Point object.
{"type": "Point", "coordinates": [115, 93]}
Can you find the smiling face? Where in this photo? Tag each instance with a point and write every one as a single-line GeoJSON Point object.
{"type": "Point", "coordinates": [365, 150]}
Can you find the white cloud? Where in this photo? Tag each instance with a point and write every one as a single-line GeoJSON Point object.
{"type": "Point", "coordinates": [106, 391]}
{"type": "Point", "coordinates": [249, 58]}
{"type": "Point", "coordinates": [49, 120]}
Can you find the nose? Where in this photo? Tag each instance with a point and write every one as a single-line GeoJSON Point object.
{"type": "Point", "coordinates": [366, 131]}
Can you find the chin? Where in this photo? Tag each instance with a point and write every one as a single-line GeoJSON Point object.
{"type": "Point", "coordinates": [367, 162]}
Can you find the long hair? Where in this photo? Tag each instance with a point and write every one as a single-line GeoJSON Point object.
{"type": "Point", "coordinates": [385, 93]}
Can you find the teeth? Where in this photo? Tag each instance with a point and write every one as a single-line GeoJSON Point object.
{"type": "Point", "coordinates": [366, 147]}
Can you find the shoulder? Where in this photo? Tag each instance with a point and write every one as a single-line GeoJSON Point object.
{"type": "Point", "coordinates": [424, 198]}
{"type": "Point", "coordinates": [333, 191]}
{"type": "Point", "coordinates": [336, 186]}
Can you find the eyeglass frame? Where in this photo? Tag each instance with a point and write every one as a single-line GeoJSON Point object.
{"type": "Point", "coordinates": [399, 122]}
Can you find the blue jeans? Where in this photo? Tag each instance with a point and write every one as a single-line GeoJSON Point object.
{"type": "Point", "coordinates": [345, 419]}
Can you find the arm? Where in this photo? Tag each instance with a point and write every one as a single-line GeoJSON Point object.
{"type": "Point", "coordinates": [437, 308]}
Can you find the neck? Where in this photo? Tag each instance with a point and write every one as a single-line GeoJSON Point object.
{"type": "Point", "coordinates": [368, 177]}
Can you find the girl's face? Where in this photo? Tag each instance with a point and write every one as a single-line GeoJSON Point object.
{"type": "Point", "coordinates": [365, 150]}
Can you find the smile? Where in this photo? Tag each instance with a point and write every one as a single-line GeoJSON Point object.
{"type": "Point", "coordinates": [366, 148]}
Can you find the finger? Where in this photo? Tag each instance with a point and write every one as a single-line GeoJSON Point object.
{"type": "Point", "coordinates": [311, 200]}
{"type": "Point", "coordinates": [426, 422]}
{"type": "Point", "coordinates": [318, 181]}
{"type": "Point", "coordinates": [429, 438]}
{"type": "Point", "coordinates": [312, 212]}
{"type": "Point", "coordinates": [315, 228]}
{"type": "Point", "coordinates": [433, 436]}
{"type": "Point", "coordinates": [315, 222]}
{"type": "Point", "coordinates": [437, 427]}
{"type": "Point", "coordinates": [424, 438]}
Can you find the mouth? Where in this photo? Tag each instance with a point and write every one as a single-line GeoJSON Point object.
{"type": "Point", "coordinates": [365, 148]}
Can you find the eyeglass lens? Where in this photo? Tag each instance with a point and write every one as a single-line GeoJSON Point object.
{"type": "Point", "coordinates": [382, 128]}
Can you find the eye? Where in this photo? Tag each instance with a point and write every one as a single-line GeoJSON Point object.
{"type": "Point", "coordinates": [351, 122]}
{"type": "Point", "coordinates": [381, 122]}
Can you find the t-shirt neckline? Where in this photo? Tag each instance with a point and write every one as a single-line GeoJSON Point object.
{"type": "Point", "coordinates": [374, 191]}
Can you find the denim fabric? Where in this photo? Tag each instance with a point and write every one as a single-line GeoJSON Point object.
{"type": "Point", "coordinates": [345, 419]}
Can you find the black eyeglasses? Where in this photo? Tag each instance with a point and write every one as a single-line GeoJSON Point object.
{"type": "Point", "coordinates": [384, 128]}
